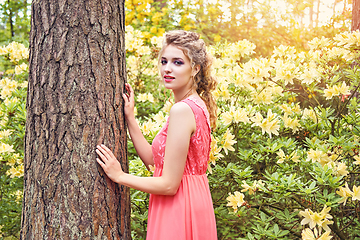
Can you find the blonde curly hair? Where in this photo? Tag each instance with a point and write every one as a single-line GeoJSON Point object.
{"type": "Point", "coordinates": [194, 48]}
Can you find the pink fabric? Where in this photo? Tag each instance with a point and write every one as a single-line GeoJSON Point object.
{"type": "Point", "coordinates": [189, 214]}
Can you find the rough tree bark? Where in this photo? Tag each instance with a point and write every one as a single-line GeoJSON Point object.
{"type": "Point", "coordinates": [355, 24]}
{"type": "Point", "coordinates": [76, 77]}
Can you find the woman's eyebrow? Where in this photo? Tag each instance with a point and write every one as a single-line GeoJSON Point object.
{"type": "Point", "coordinates": [176, 58]}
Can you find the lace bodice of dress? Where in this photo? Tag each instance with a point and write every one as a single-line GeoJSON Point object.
{"type": "Point", "coordinates": [199, 147]}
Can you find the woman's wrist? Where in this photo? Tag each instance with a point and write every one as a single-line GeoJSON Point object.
{"type": "Point", "coordinates": [130, 118]}
{"type": "Point", "coordinates": [120, 178]}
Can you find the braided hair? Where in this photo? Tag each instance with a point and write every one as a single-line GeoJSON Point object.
{"type": "Point", "coordinates": [194, 48]}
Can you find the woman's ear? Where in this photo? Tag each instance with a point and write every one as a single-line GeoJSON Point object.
{"type": "Point", "coordinates": [196, 70]}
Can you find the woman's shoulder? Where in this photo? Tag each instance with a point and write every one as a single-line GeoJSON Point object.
{"type": "Point", "coordinates": [181, 110]}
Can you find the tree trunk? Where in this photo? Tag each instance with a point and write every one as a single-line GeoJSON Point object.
{"type": "Point", "coordinates": [355, 24]}
{"type": "Point", "coordinates": [74, 102]}
{"type": "Point", "coordinates": [317, 14]}
{"type": "Point", "coordinates": [311, 14]}
{"type": "Point", "coordinates": [12, 33]}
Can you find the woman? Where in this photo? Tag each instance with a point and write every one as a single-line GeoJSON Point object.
{"type": "Point", "coordinates": [180, 206]}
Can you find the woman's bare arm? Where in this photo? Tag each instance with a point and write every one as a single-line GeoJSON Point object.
{"type": "Point", "coordinates": [181, 127]}
{"type": "Point", "coordinates": [142, 146]}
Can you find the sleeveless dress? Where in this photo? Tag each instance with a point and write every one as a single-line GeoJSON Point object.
{"type": "Point", "coordinates": [189, 214]}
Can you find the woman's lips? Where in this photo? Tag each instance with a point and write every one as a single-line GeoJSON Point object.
{"type": "Point", "coordinates": [168, 78]}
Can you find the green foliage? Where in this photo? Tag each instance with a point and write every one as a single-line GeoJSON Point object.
{"type": "Point", "coordinates": [285, 125]}
{"type": "Point", "coordinates": [12, 130]}
{"type": "Point", "coordinates": [286, 140]}
{"type": "Point", "coordinates": [15, 20]}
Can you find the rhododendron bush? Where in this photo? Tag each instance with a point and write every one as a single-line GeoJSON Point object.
{"type": "Point", "coordinates": [284, 161]}
{"type": "Point", "coordinates": [13, 86]}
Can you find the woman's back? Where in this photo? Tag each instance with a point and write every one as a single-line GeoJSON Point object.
{"type": "Point", "coordinates": [189, 214]}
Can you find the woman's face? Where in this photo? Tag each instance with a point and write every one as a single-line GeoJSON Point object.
{"type": "Point", "coordinates": [175, 69]}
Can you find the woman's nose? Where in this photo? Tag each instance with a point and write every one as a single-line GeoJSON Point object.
{"type": "Point", "coordinates": [167, 68]}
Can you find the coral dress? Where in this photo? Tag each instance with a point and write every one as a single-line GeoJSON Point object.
{"type": "Point", "coordinates": [189, 214]}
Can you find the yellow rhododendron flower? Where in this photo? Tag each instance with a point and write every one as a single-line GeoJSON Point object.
{"type": "Point", "coordinates": [6, 148]}
{"type": "Point", "coordinates": [156, 41]}
{"type": "Point", "coordinates": [16, 171]}
{"type": "Point", "coordinates": [310, 75]}
{"type": "Point", "coordinates": [348, 39]}
{"type": "Point", "coordinates": [270, 125]}
{"type": "Point", "coordinates": [294, 157]}
{"type": "Point", "coordinates": [143, 50]}
{"type": "Point", "coordinates": [236, 115]}
{"type": "Point", "coordinates": [318, 156]}
{"type": "Point", "coordinates": [20, 68]}
{"type": "Point", "coordinates": [311, 114]}
{"type": "Point", "coordinates": [324, 214]}
{"type": "Point", "coordinates": [253, 188]}
{"type": "Point", "coordinates": [214, 152]}
{"type": "Point", "coordinates": [5, 133]}
{"type": "Point", "coordinates": [3, 51]}
{"type": "Point", "coordinates": [342, 89]}
{"type": "Point", "coordinates": [357, 160]}
{"type": "Point", "coordinates": [314, 218]}
{"type": "Point", "coordinates": [292, 123]}
{"type": "Point", "coordinates": [344, 192]}
{"type": "Point", "coordinates": [286, 108]}
{"type": "Point", "coordinates": [286, 71]}
{"type": "Point", "coordinates": [227, 118]}
{"type": "Point", "coordinates": [264, 97]}
{"type": "Point", "coordinates": [235, 200]}
{"type": "Point", "coordinates": [307, 216]}
{"type": "Point", "coordinates": [257, 119]}
{"type": "Point", "coordinates": [157, 17]}
{"type": "Point", "coordinates": [296, 109]}
{"type": "Point", "coordinates": [325, 236]}
{"type": "Point", "coordinates": [166, 108]}
{"type": "Point", "coordinates": [281, 156]}
{"type": "Point", "coordinates": [308, 234]}
{"type": "Point", "coordinates": [241, 115]}
{"type": "Point", "coordinates": [227, 141]}
{"type": "Point", "coordinates": [355, 193]}
{"type": "Point", "coordinates": [145, 97]}
{"type": "Point", "coordinates": [322, 42]}
{"type": "Point", "coordinates": [254, 71]}
{"type": "Point", "coordinates": [17, 51]}
{"type": "Point", "coordinates": [160, 118]}
{"type": "Point", "coordinates": [330, 92]}
{"type": "Point", "coordinates": [340, 169]}
{"type": "Point", "coordinates": [284, 52]}
{"type": "Point", "coordinates": [148, 127]}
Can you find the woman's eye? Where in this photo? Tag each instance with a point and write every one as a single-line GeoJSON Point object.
{"type": "Point", "coordinates": [178, 63]}
{"type": "Point", "coordinates": [163, 62]}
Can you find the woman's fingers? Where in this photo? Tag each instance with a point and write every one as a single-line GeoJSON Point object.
{"type": "Point", "coordinates": [102, 153]}
{"type": "Point", "coordinates": [131, 91]}
{"type": "Point", "coordinates": [108, 152]}
{"type": "Point", "coordinates": [105, 153]}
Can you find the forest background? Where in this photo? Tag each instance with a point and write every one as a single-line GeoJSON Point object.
{"type": "Point", "coordinates": [285, 158]}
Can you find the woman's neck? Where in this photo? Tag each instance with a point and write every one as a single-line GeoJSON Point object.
{"type": "Point", "coordinates": [181, 96]}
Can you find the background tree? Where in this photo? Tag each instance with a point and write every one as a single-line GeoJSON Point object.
{"type": "Point", "coordinates": [355, 25]}
{"type": "Point", "coordinates": [74, 102]}
{"type": "Point", "coordinates": [15, 20]}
